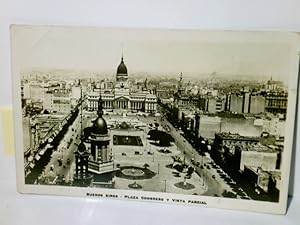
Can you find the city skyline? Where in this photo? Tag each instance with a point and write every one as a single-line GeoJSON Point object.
{"type": "Point", "coordinates": [61, 74]}
{"type": "Point", "coordinates": [246, 55]}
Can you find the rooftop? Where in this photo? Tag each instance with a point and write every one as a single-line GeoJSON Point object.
{"type": "Point", "coordinates": [236, 136]}
{"type": "Point", "coordinates": [259, 148]}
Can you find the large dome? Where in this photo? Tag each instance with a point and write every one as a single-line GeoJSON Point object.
{"type": "Point", "coordinates": [100, 126]}
{"type": "Point", "coordinates": [122, 69]}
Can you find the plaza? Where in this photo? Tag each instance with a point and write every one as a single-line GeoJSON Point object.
{"type": "Point", "coordinates": [149, 154]}
{"type": "Point", "coordinates": [141, 163]}
{"type": "Point", "coordinates": [146, 154]}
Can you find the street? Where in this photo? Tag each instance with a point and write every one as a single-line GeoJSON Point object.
{"type": "Point", "coordinates": [215, 186]}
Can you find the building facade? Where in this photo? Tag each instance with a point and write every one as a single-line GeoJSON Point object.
{"type": "Point", "coordinates": [276, 102]}
{"type": "Point", "coordinates": [121, 96]}
{"type": "Point", "coordinates": [246, 102]}
{"type": "Point", "coordinates": [58, 101]}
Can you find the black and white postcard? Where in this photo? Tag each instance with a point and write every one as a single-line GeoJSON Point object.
{"type": "Point", "coordinates": [175, 116]}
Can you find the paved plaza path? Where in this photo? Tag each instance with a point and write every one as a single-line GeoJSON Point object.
{"type": "Point", "coordinates": [164, 180]}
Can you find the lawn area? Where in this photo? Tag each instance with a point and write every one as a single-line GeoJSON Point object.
{"type": "Point", "coordinates": [127, 140]}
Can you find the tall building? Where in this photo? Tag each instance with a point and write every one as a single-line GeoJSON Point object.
{"type": "Point", "coordinates": [246, 102]}
{"type": "Point", "coordinates": [276, 102]}
{"type": "Point", "coordinates": [36, 92]}
{"type": "Point", "coordinates": [57, 101]}
{"type": "Point", "coordinates": [257, 104]}
{"type": "Point", "coordinates": [98, 139]}
{"type": "Point", "coordinates": [76, 92]}
{"type": "Point", "coordinates": [215, 104]}
{"type": "Point", "coordinates": [236, 103]}
{"type": "Point", "coordinates": [121, 96]}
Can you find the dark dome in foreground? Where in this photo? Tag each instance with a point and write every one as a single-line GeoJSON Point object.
{"type": "Point", "coordinates": [122, 69]}
{"type": "Point", "coordinates": [100, 126]}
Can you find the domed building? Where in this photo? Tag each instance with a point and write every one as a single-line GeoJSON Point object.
{"type": "Point", "coordinates": [122, 72]}
{"type": "Point", "coordinates": [121, 97]}
{"type": "Point", "coordinates": [98, 139]}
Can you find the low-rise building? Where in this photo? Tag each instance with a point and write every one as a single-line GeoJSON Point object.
{"type": "Point", "coordinates": [263, 181]}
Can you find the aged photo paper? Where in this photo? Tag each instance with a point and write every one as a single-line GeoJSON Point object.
{"type": "Point", "coordinates": [175, 116]}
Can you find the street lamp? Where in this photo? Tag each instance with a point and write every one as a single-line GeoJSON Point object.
{"type": "Point", "coordinates": [165, 185]}
{"type": "Point", "coordinates": [153, 157]}
{"type": "Point", "coordinates": [203, 178]}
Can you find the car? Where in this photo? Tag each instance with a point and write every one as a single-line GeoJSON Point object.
{"type": "Point", "coordinates": [59, 162]}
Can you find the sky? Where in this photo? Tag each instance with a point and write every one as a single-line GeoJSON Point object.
{"type": "Point", "coordinates": [154, 51]}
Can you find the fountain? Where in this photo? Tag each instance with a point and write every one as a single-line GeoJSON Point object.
{"type": "Point", "coordinates": [135, 172]}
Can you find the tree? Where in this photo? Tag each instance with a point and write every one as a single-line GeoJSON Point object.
{"type": "Point", "coordinates": [228, 194]}
{"type": "Point", "coordinates": [164, 140]}
{"type": "Point", "coordinates": [153, 135]}
{"type": "Point", "coordinates": [178, 167]}
{"type": "Point", "coordinates": [190, 170]}
{"type": "Point", "coordinates": [161, 136]}
{"type": "Point", "coordinates": [124, 125]}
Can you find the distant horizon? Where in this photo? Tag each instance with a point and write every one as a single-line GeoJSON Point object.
{"type": "Point", "coordinates": [86, 74]}
{"type": "Point", "coordinates": [156, 52]}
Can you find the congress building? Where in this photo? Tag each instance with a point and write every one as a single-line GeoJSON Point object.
{"type": "Point", "coordinates": [121, 97]}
